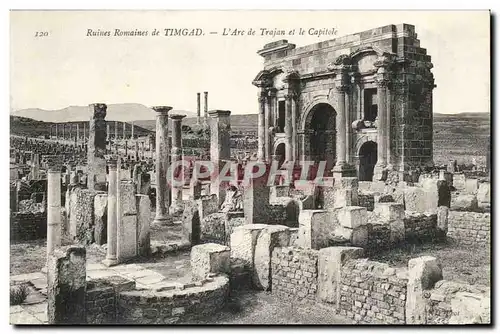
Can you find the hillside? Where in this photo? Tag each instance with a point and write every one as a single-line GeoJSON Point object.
{"type": "Point", "coordinates": [125, 112]}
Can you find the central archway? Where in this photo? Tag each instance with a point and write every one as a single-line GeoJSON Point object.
{"type": "Point", "coordinates": [319, 130]}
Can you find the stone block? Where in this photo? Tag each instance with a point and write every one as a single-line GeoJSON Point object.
{"type": "Point", "coordinates": [191, 227]}
{"type": "Point", "coordinates": [256, 198]}
{"type": "Point", "coordinates": [330, 262]}
{"type": "Point", "coordinates": [66, 286]}
{"type": "Point", "coordinates": [423, 273]}
{"type": "Point", "coordinates": [393, 215]}
{"type": "Point", "coordinates": [100, 218]}
{"type": "Point", "coordinates": [352, 216]}
{"type": "Point", "coordinates": [127, 197]}
{"type": "Point", "coordinates": [471, 186]}
{"type": "Point", "coordinates": [126, 241]}
{"type": "Point", "coordinates": [270, 237]}
{"type": "Point", "coordinates": [315, 228]}
{"type": "Point", "coordinates": [207, 205]}
{"type": "Point", "coordinates": [483, 195]}
{"type": "Point", "coordinates": [459, 181]}
{"type": "Point", "coordinates": [209, 258]}
{"type": "Point", "coordinates": [442, 219]}
{"type": "Point", "coordinates": [243, 242]}
{"type": "Point", "coordinates": [463, 202]}
{"type": "Point", "coordinates": [143, 225]}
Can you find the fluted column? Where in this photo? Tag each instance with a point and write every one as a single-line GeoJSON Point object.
{"type": "Point", "coordinates": [111, 258]}
{"type": "Point", "coordinates": [162, 194]}
{"type": "Point", "coordinates": [340, 127]}
{"type": "Point", "coordinates": [288, 127]}
{"type": "Point", "coordinates": [261, 127]}
{"type": "Point", "coordinates": [176, 155]}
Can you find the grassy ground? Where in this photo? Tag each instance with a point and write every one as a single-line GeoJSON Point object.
{"type": "Point", "coordinates": [469, 264]}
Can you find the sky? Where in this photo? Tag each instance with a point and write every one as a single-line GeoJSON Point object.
{"type": "Point", "coordinates": [67, 67]}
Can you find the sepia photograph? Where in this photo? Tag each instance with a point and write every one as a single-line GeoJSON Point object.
{"type": "Point", "coordinates": [250, 167]}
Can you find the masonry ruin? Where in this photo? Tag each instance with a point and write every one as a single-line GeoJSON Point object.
{"type": "Point", "coordinates": [362, 103]}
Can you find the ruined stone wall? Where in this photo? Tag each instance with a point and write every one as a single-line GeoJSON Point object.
{"type": "Point", "coordinates": [100, 304]}
{"type": "Point", "coordinates": [420, 226]}
{"type": "Point", "coordinates": [218, 227]}
{"type": "Point", "coordinates": [457, 303]}
{"type": "Point", "coordinates": [171, 305]}
{"type": "Point", "coordinates": [294, 273]}
{"type": "Point", "coordinates": [367, 201]}
{"type": "Point", "coordinates": [372, 292]}
{"type": "Point", "coordinates": [28, 226]}
{"type": "Point", "coordinates": [469, 228]}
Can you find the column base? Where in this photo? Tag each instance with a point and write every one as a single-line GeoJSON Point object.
{"type": "Point", "coordinates": [162, 221]}
{"type": "Point", "coordinates": [110, 262]}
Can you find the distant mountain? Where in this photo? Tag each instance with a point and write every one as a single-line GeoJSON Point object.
{"type": "Point", "coordinates": [246, 122]}
{"type": "Point", "coordinates": [125, 112]}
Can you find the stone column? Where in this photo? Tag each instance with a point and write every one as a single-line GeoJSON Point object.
{"type": "Point", "coordinates": [116, 131]}
{"type": "Point", "coordinates": [124, 130]}
{"type": "Point", "coordinates": [35, 166]}
{"type": "Point", "coordinates": [126, 148]}
{"type": "Point", "coordinates": [132, 130]}
{"type": "Point", "coordinates": [84, 133]}
{"type": "Point", "coordinates": [63, 126]}
{"type": "Point", "coordinates": [261, 127]}
{"type": "Point", "coordinates": [176, 155]}
{"type": "Point", "coordinates": [205, 108]}
{"type": "Point", "coordinates": [294, 127]}
{"type": "Point", "coordinates": [288, 127]}
{"type": "Point", "coordinates": [340, 127]}
{"type": "Point", "coordinates": [53, 208]}
{"type": "Point", "coordinates": [56, 130]}
{"type": "Point", "coordinates": [382, 125]}
{"type": "Point", "coordinates": [136, 150]}
{"type": "Point", "coordinates": [162, 195]}
{"type": "Point", "coordinates": [347, 125]}
{"type": "Point", "coordinates": [269, 123]}
{"type": "Point", "coordinates": [143, 153]}
{"type": "Point", "coordinates": [111, 258]}
{"type": "Point", "coordinates": [97, 147]}
{"type": "Point", "coordinates": [77, 133]}
{"type": "Point", "coordinates": [220, 149]}
{"type": "Point", "coordinates": [108, 132]}
{"type": "Point", "coordinates": [198, 108]}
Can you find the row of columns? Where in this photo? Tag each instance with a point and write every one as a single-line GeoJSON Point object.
{"type": "Point", "coordinates": [53, 131]}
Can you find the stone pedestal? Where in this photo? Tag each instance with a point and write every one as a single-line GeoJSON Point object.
{"type": "Point", "coordinates": [66, 286]}
{"type": "Point", "coordinates": [126, 242]}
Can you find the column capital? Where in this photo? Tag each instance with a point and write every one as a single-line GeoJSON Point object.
{"type": "Point", "coordinates": [111, 160]}
{"type": "Point", "coordinates": [99, 110]}
{"type": "Point", "coordinates": [162, 109]}
{"type": "Point", "coordinates": [219, 113]}
{"type": "Point", "coordinates": [176, 117]}
{"type": "Point", "coordinates": [290, 95]}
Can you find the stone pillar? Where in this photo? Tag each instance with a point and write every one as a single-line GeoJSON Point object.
{"type": "Point", "coordinates": [108, 132]}
{"type": "Point", "coordinates": [116, 131]}
{"type": "Point", "coordinates": [176, 155]}
{"type": "Point", "coordinates": [35, 166]}
{"type": "Point", "coordinates": [348, 127]}
{"type": "Point", "coordinates": [53, 208]}
{"type": "Point", "coordinates": [383, 124]}
{"type": "Point", "coordinates": [126, 148]}
{"type": "Point", "coordinates": [97, 148]}
{"type": "Point", "coordinates": [66, 286]}
{"type": "Point", "coordinates": [124, 130]}
{"type": "Point", "coordinates": [132, 130]}
{"type": "Point", "coordinates": [269, 124]}
{"type": "Point", "coordinates": [294, 128]}
{"type": "Point", "coordinates": [143, 153]}
{"type": "Point", "coordinates": [77, 133]}
{"type": "Point", "coordinates": [261, 127]}
{"type": "Point", "coordinates": [136, 150]}
{"type": "Point", "coordinates": [198, 108]}
{"type": "Point", "coordinates": [288, 127]}
{"type": "Point", "coordinates": [111, 258]}
{"type": "Point", "coordinates": [84, 133]}
{"type": "Point", "coordinates": [63, 126]}
{"type": "Point", "coordinates": [340, 127]}
{"type": "Point", "coordinates": [56, 130]}
{"type": "Point", "coordinates": [205, 120]}
{"type": "Point", "coordinates": [162, 195]}
{"type": "Point", "coordinates": [220, 148]}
